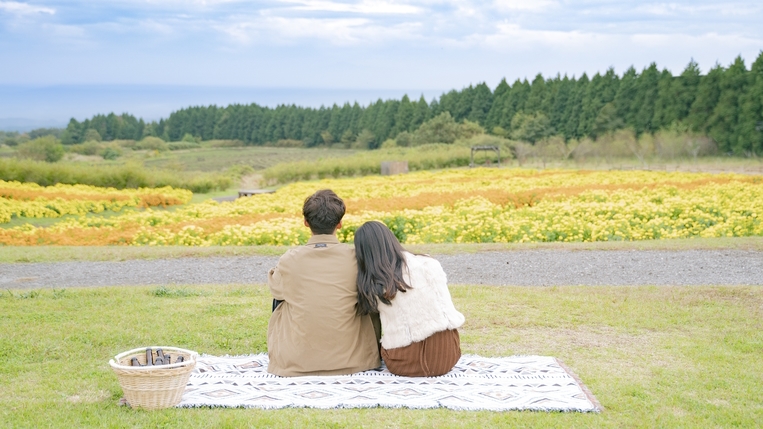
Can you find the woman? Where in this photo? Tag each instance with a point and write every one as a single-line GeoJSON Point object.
{"type": "Point", "coordinates": [410, 293]}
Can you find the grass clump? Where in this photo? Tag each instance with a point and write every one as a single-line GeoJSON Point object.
{"type": "Point", "coordinates": [653, 356]}
{"type": "Point", "coordinates": [171, 292]}
{"type": "Point", "coordinates": [29, 294]}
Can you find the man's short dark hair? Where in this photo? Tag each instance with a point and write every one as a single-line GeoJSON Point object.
{"type": "Point", "coordinates": [323, 211]}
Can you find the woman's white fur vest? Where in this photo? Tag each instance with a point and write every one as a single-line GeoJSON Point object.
{"type": "Point", "coordinates": [421, 311]}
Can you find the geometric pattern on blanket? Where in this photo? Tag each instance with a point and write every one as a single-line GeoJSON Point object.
{"type": "Point", "coordinates": [537, 383]}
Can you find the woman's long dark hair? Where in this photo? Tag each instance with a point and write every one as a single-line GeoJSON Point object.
{"type": "Point", "coordinates": [381, 262]}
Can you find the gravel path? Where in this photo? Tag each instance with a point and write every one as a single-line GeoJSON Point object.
{"type": "Point", "coordinates": [523, 268]}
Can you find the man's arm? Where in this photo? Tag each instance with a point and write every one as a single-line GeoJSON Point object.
{"type": "Point", "coordinates": [276, 286]}
{"type": "Point", "coordinates": [275, 283]}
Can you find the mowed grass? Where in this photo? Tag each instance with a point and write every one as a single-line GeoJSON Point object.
{"type": "Point", "coordinates": [653, 356]}
{"type": "Point", "coordinates": [10, 254]}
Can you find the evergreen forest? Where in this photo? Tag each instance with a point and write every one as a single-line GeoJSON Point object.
{"type": "Point", "coordinates": [726, 104]}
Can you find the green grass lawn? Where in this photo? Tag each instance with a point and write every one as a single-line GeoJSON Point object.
{"type": "Point", "coordinates": [653, 356]}
{"type": "Point", "coordinates": [123, 253]}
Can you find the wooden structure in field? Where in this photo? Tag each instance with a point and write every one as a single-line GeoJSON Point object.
{"type": "Point", "coordinates": [496, 149]}
{"type": "Point", "coordinates": [394, 167]}
{"type": "Point", "coordinates": [250, 192]}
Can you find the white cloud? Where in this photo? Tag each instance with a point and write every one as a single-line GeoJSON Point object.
{"type": "Point", "coordinates": [337, 31]}
{"type": "Point", "coordinates": [677, 9]}
{"type": "Point", "coordinates": [513, 37]}
{"type": "Point", "coordinates": [524, 5]}
{"type": "Point", "coordinates": [24, 8]}
{"type": "Point", "coordinates": [708, 39]}
{"type": "Point", "coordinates": [671, 50]}
{"type": "Point", "coordinates": [368, 7]}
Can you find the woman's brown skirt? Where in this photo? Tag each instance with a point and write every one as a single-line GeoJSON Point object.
{"type": "Point", "coordinates": [434, 356]}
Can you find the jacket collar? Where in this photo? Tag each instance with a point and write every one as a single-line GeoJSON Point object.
{"type": "Point", "coordinates": [323, 238]}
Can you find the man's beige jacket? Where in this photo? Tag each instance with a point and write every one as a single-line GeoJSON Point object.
{"type": "Point", "coordinates": [316, 330]}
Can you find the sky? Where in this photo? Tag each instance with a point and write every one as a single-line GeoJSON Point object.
{"type": "Point", "coordinates": [60, 59]}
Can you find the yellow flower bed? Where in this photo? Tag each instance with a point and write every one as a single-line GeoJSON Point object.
{"type": "Point", "coordinates": [459, 206]}
{"type": "Point", "coordinates": [35, 201]}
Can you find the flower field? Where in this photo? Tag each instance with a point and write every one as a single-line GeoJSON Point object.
{"type": "Point", "coordinates": [450, 206]}
{"type": "Point", "coordinates": [34, 201]}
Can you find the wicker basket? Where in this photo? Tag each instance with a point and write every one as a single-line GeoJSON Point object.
{"type": "Point", "coordinates": [153, 387]}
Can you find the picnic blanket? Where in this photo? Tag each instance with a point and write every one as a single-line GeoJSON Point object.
{"type": "Point", "coordinates": [539, 383]}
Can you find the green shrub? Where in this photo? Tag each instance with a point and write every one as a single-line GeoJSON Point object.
{"type": "Point", "coordinates": [440, 129]}
{"type": "Point", "coordinates": [365, 140]}
{"type": "Point", "coordinates": [111, 152]}
{"type": "Point", "coordinates": [171, 292]}
{"type": "Point", "coordinates": [117, 176]}
{"type": "Point", "coordinates": [188, 138]}
{"type": "Point", "coordinates": [223, 143]}
{"type": "Point", "coordinates": [183, 145]}
{"type": "Point", "coordinates": [108, 151]}
{"type": "Point", "coordinates": [91, 147]}
{"type": "Point", "coordinates": [11, 141]}
{"type": "Point", "coordinates": [92, 135]}
{"type": "Point", "coordinates": [47, 149]}
{"type": "Point", "coordinates": [152, 143]}
{"type": "Point", "coordinates": [125, 143]}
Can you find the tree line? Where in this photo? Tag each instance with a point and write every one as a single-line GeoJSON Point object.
{"type": "Point", "coordinates": [725, 104]}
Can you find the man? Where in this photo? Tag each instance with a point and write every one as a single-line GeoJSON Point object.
{"type": "Point", "coordinates": [315, 329]}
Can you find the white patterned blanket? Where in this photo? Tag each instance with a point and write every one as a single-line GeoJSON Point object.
{"type": "Point", "coordinates": [538, 383]}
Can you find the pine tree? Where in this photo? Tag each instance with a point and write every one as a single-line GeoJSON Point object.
{"type": "Point", "coordinates": [722, 124]}
{"type": "Point", "coordinates": [448, 102]}
{"type": "Point", "coordinates": [500, 94]}
{"type": "Point", "coordinates": [599, 92]}
{"type": "Point", "coordinates": [463, 105]}
{"type": "Point", "coordinates": [556, 110]}
{"type": "Point", "coordinates": [676, 95]}
{"type": "Point", "coordinates": [646, 95]}
{"type": "Point", "coordinates": [355, 118]}
{"type": "Point", "coordinates": [750, 140]}
{"type": "Point", "coordinates": [335, 122]}
{"type": "Point", "coordinates": [664, 111]}
{"type": "Point", "coordinates": [421, 113]}
{"type": "Point", "coordinates": [514, 102]}
{"type": "Point", "coordinates": [482, 100]}
{"type": "Point", "coordinates": [708, 92]}
{"type": "Point", "coordinates": [687, 89]}
{"type": "Point", "coordinates": [73, 133]}
{"type": "Point", "coordinates": [403, 117]}
{"type": "Point", "coordinates": [574, 108]}
{"type": "Point", "coordinates": [625, 99]}
{"type": "Point", "coordinates": [536, 95]}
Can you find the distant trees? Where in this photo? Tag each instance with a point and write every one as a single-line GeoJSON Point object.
{"type": "Point", "coordinates": [109, 127]}
{"type": "Point", "coordinates": [13, 138]}
{"type": "Point", "coordinates": [41, 132]}
{"type": "Point", "coordinates": [725, 104]}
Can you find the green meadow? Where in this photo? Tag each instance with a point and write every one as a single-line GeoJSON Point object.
{"type": "Point", "coordinates": [653, 356]}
